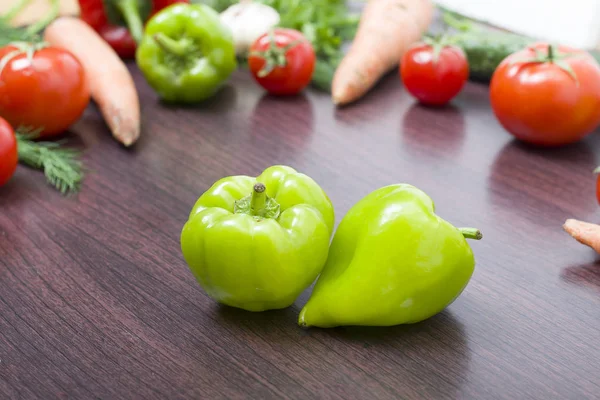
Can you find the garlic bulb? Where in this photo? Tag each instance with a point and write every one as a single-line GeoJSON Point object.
{"type": "Point", "coordinates": [248, 21]}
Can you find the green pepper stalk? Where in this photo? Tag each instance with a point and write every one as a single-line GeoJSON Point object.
{"type": "Point", "coordinates": [258, 204]}
{"type": "Point", "coordinates": [178, 48]}
{"type": "Point", "coordinates": [259, 200]}
{"type": "Point", "coordinates": [186, 53]}
{"type": "Point", "coordinates": [471, 233]}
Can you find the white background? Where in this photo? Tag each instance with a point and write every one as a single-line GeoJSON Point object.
{"type": "Point", "coordinates": [571, 22]}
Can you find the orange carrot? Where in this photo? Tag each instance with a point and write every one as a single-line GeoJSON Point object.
{"type": "Point", "coordinates": [386, 29]}
{"type": "Point", "coordinates": [111, 84]}
{"type": "Point", "coordinates": [584, 232]}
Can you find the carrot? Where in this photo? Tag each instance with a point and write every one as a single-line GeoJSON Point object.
{"type": "Point", "coordinates": [584, 232]}
{"type": "Point", "coordinates": [111, 84]}
{"type": "Point", "coordinates": [385, 31]}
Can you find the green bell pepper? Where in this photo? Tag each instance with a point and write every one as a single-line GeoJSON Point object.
{"type": "Point", "coordinates": [186, 53]}
{"type": "Point", "coordinates": [392, 261]}
{"type": "Point", "coordinates": [257, 243]}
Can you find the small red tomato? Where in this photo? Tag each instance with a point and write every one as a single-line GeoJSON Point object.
{"type": "Point", "coordinates": [47, 90]}
{"type": "Point", "coordinates": [546, 95]}
{"type": "Point", "coordinates": [434, 72]}
{"type": "Point", "coordinates": [282, 61]}
{"type": "Point", "coordinates": [9, 156]}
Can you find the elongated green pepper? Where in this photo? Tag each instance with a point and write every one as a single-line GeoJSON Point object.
{"type": "Point", "coordinates": [257, 243]}
{"type": "Point", "coordinates": [392, 261]}
{"type": "Point", "coordinates": [186, 53]}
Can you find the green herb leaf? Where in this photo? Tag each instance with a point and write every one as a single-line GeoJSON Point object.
{"type": "Point", "coordinates": [62, 166]}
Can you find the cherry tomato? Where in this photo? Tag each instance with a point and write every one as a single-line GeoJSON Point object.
{"type": "Point", "coordinates": [547, 96]}
{"type": "Point", "coordinates": [48, 91]}
{"type": "Point", "coordinates": [282, 61]}
{"type": "Point", "coordinates": [434, 79]}
{"type": "Point", "coordinates": [8, 152]}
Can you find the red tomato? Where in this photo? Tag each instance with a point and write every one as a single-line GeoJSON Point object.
{"type": "Point", "coordinates": [8, 152]}
{"type": "Point", "coordinates": [48, 92]}
{"type": "Point", "coordinates": [282, 62]}
{"type": "Point", "coordinates": [551, 98]}
{"type": "Point", "coordinates": [434, 81]}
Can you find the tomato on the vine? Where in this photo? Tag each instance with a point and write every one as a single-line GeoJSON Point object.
{"type": "Point", "coordinates": [46, 90]}
{"type": "Point", "coordinates": [9, 156]}
{"type": "Point", "coordinates": [547, 95]}
{"type": "Point", "coordinates": [282, 61]}
{"type": "Point", "coordinates": [434, 71]}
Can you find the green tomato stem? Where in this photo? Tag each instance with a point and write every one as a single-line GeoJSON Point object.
{"type": "Point", "coordinates": [131, 13]}
{"type": "Point", "coordinates": [259, 200]}
{"type": "Point", "coordinates": [471, 233]}
{"type": "Point", "coordinates": [550, 53]}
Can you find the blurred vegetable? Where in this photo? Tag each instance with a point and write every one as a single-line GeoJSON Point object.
{"type": "Point", "coordinates": [10, 33]}
{"type": "Point", "coordinates": [584, 232]}
{"type": "Point", "coordinates": [111, 85]}
{"type": "Point", "coordinates": [485, 47]}
{"type": "Point", "coordinates": [121, 22]}
{"type": "Point", "coordinates": [387, 29]}
{"type": "Point", "coordinates": [547, 95]}
{"type": "Point", "coordinates": [434, 71]}
{"type": "Point", "coordinates": [282, 61]}
{"type": "Point", "coordinates": [248, 21]}
{"type": "Point", "coordinates": [42, 86]}
{"type": "Point", "coordinates": [327, 24]}
{"type": "Point", "coordinates": [8, 152]}
{"type": "Point", "coordinates": [61, 166]}
{"type": "Point", "coordinates": [187, 53]}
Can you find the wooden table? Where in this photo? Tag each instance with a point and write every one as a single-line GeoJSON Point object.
{"type": "Point", "coordinates": [97, 302]}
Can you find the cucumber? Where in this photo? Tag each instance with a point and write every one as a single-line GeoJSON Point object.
{"type": "Point", "coordinates": [485, 51]}
{"type": "Point", "coordinates": [486, 48]}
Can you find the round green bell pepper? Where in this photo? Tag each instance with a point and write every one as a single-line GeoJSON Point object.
{"type": "Point", "coordinates": [186, 53]}
{"type": "Point", "coordinates": [392, 261]}
{"type": "Point", "coordinates": [257, 243]}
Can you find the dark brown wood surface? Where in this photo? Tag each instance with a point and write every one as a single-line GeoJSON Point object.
{"type": "Point", "coordinates": [97, 302]}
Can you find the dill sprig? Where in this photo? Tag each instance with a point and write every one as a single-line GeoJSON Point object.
{"type": "Point", "coordinates": [62, 167]}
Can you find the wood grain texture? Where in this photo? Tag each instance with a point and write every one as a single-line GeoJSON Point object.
{"type": "Point", "coordinates": [97, 302]}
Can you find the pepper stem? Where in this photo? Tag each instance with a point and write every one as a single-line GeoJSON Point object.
{"type": "Point", "coordinates": [259, 199]}
{"type": "Point", "coordinates": [177, 47]}
{"type": "Point", "coordinates": [471, 233]}
{"type": "Point", "coordinates": [131, 13]}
